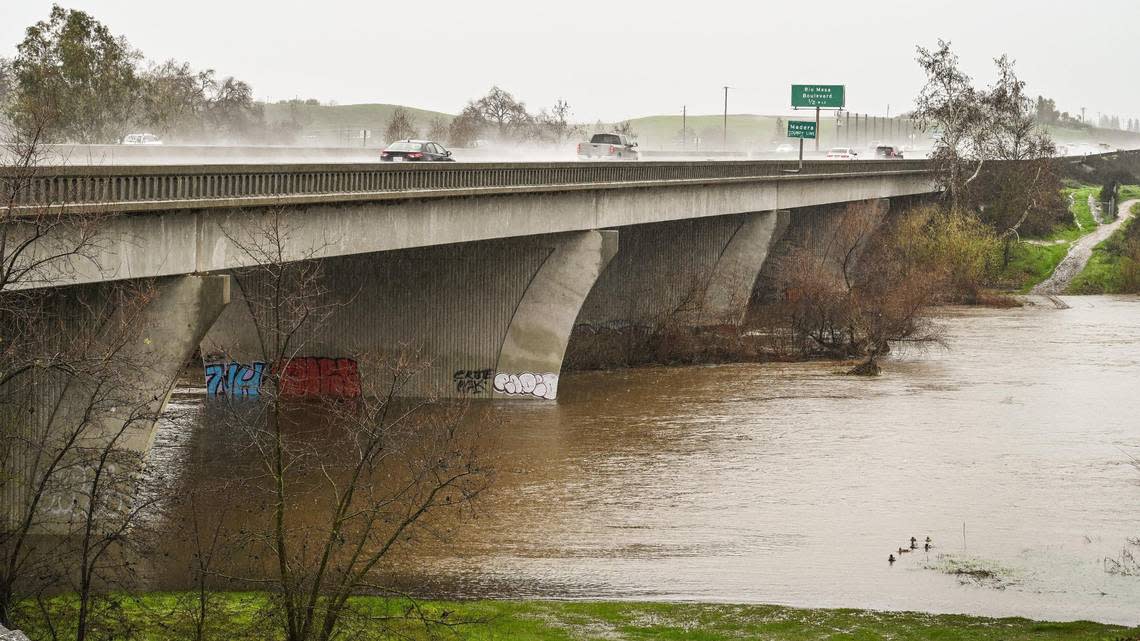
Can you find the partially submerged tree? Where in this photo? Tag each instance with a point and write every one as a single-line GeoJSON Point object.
{"type": "Point", "coordinates": [853, 288]}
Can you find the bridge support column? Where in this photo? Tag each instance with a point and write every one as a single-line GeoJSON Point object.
{"type": "Point", "coordinates": [729, 288]}
{"type": "Point", "coordinates": [531, 357]}
{"type": "Point", "coordinates": [133, 342]}
{"type": "Point", "coordinates": [668, 280]}
{"type": "Point", "coordinates": [485, 319]}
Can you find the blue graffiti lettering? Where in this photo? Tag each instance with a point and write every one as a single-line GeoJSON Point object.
{"type": "Point", "coordinates": [234, 379]}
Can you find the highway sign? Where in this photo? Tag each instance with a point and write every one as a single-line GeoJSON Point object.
{"type": "Point", "coordinates": [801, 129]}
{"type": "Point", "coordinates": [820, 96]}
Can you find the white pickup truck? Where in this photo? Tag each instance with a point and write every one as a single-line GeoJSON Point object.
{"type": "Point", "coordinates": [608, 147]}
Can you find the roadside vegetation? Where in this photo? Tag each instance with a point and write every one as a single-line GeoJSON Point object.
{"type": "Point", "coordinates": [241, 617]}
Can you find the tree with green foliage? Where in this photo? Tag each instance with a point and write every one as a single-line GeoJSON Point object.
{"type": "Point", "coordinates": [176, 98]}
{"type": "Point", "coordinates": [73, 69]}
{"type": "Point", "coordinates": [6, 84]}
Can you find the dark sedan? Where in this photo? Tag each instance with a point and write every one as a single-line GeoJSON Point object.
{"type": "Point", "coordinates": [417, 151]}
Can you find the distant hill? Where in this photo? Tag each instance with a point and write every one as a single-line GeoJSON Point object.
{"type": "Point", "coordinates": [340, 125]}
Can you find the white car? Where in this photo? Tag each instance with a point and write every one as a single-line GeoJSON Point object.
{"type": "Point", "coordinates": [842, 153]}
{"type": "Point", "coordinates": [141, 139]}
{"type": "Point", "coordinates": [785, 148]}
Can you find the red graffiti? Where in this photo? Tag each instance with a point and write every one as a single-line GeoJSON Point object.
{"type": "Point", "coordinates": [317, 376]}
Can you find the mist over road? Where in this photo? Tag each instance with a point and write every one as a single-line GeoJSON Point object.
{"type": "Point", "coordinates": [112, 155]}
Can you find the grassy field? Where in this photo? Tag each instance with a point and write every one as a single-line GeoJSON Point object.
{"type": "Point", "coordinates": [1032, 262]}
{"type": "Point", "coordinates": [158, 617]}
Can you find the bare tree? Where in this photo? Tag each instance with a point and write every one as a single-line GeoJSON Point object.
{"type": "Point", "coordinates": [506, 114]}
{"type": "Point", "coordinates": [950, 105]}
{"type": "Point", "coordinates": [70, 381]}
{"type": "Point", "coordinates": [400, 125]}
{"type": "Point", "coordinates": [466, 128]}
{"type": "Point", "coordinates": [344, 490]}
{"type": "Point", "coordinates": [854, 287]}
{"type": "Point", "coordinates": [437, 129]}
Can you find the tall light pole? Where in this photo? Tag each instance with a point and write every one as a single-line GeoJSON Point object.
{"type": "Point", "coordinates": [724, 131]}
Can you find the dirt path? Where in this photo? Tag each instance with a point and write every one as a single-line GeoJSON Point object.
{"type": "Point", "coordinates": [1080, 253]}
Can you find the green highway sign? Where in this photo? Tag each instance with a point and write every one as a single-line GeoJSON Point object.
{"type": "Point", "coordinates": [801, 129]}
{"type": "Point", "coordinates": [822, 96]}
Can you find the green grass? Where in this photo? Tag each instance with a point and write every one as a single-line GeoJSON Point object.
{"type": "Point", "coordinates": [1104, 273]}
{"type": "Point", "coordinates": [1081, 210]}
{"type": "Point", "coordinates": [1031, 263]}
{"type": "Point", "coordinates": [155, 617]}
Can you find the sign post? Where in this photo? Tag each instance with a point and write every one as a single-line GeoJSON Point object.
{"type": "Point", "coordinates": [819, 97]}
{"type": "Point", "coordinates": [802, 129]}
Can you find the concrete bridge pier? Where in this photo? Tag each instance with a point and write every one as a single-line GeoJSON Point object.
{"type": "Point", "coordinates": [122, 347]}
{"type": "Point", "coordinates": [673, 277]}
{"type": "Point", "coordinates": [487, 319]}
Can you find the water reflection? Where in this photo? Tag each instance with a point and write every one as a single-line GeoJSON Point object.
{"type": "Point", "coordinates": [787, 483]}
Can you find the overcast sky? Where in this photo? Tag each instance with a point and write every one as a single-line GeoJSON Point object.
{"type": "Point", "coordinates": [621, 58]}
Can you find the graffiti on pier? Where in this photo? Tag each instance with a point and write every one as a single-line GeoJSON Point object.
{"type": "Point", "coordinates": [473, 381]}
{"type": "Point", "coordinates": [317, 376]}
{"type": "Point", "coordinates": [528, 384]}
{"type": "Point", "coordinates": [234, 379]}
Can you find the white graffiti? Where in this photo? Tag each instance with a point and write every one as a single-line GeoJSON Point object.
{"type": "Point", "coordinates": [528, 384]}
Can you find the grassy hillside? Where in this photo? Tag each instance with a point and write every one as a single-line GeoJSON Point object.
{"type": "Point", "coordinates": [341, 124]}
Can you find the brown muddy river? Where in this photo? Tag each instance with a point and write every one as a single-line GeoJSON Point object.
{"type": "Point", "coordinates": [787, 483]}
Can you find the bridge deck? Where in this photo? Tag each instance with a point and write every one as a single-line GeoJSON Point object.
{"type": "Point", "coordinates": [175, 187]}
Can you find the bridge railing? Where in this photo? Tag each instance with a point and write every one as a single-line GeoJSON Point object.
{"type": "Point", "coordinates": [94, 185]}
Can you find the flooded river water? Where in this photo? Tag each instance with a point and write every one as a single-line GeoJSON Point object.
{"type": "Point", "coordinates": [787, 483]}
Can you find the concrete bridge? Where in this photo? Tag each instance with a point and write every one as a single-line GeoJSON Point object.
{"type": "Point", "coordinates": [504, 258]}
{"type": "Point", "coordinates": [483, 270]}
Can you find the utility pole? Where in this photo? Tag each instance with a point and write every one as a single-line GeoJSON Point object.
{"type": "Point", "coordinates": [817, 128]}
{"type": "Point", "coordinates": [724, 132]}
{"type": "Point", "coordinates": [684, 128]}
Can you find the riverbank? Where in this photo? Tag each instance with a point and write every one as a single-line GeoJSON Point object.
{"type": "Point", "coordinates": [1114, 264]}
{"type": "Point", "coordinates": [240, 616]}
{"type": "Point", "coordinates": [1034, 260]}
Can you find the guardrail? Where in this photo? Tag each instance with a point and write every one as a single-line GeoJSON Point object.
{"type": "Point", "coordinates": [135, 188]}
